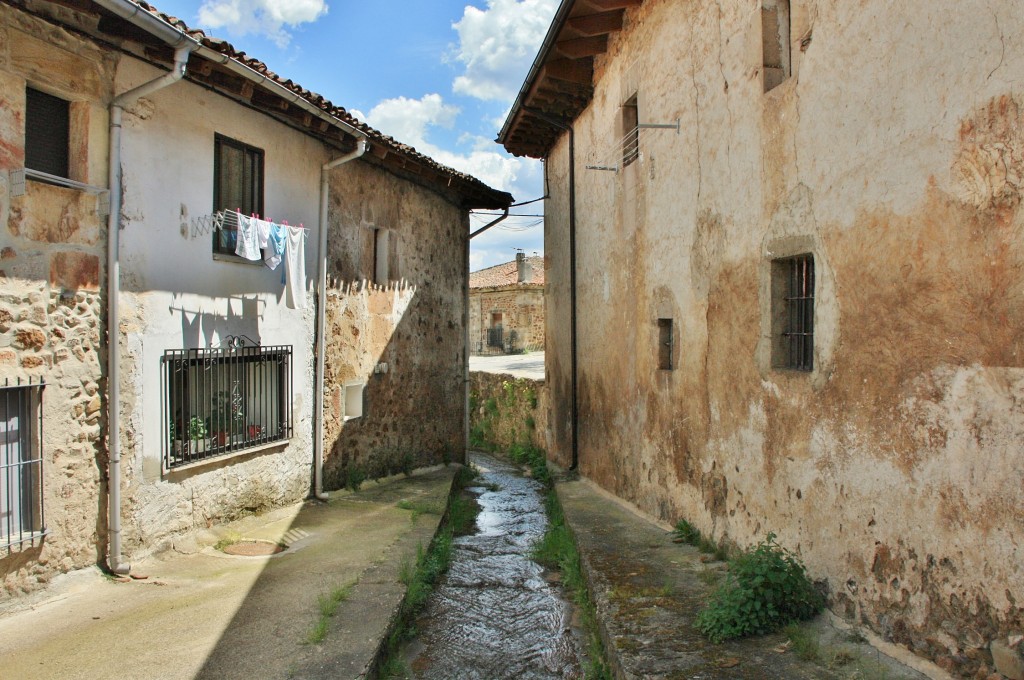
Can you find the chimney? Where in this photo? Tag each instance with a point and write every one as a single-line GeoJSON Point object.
{"type": "Point", "coordinates": [523, 268]}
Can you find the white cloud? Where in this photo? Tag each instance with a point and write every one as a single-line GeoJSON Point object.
{"type": "Point", "coordinates": [497, 45]}
{"type": "Point", "coordinates": [408, 120]}
{"type": "Point", "coordinates": [265, 17]}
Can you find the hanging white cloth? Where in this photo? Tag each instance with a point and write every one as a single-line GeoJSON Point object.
{"type": "Point", "coordinates": [263, 231]}
{"type": "Point", "coordinates": [295, 268]}
{"type": "Point", "coordinates": [248, 245]}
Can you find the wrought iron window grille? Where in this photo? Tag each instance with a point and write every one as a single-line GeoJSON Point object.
{"type": "Point", "coordinates": [798, 336]}
{"type": "Point", "coordinates": [21, 463]}
{"type": "Point", "coordinates": [220, 401]}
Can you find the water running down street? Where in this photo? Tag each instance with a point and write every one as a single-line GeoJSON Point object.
{"type": "Point", "coordinates": [494, 615]}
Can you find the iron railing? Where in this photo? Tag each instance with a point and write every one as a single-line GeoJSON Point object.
{"type": "Point", "coordinates": [220, 401]}
{"type": "Point", "coordinates": [21, 462]}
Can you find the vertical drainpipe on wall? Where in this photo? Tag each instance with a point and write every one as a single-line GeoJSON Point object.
{"type": "Point", "coordinates": [115, 557]}
{"type": "Point", "coordinates": [479, 231]}
{"type": "Point", "coordinates": [321, 318]}
{"type": "Point", "coordinates": [572, 277]}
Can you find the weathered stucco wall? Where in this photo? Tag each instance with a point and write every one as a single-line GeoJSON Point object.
{"type": "Point", "coordinates": [894, 154]}
{"type": "Point", "coordinates": [522, 310]}
{"type": "Point", "coordinates": [414, 413]}
{"type": "Point", "coordinates": [51, 260]}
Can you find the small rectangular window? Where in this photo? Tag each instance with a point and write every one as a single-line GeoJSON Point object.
{"type": "Point", "coordinates": [354, 400]}
{"type": "Point", "coordinates": [220, 401]}
{"type": "Point", "coordinates": [630, 131]}
{"type": "Point", "coordinates": [793, 313]}
{"type": "Point", "coordinates": [665, 342]}
{"type": "Point", "coordinates": [775, 42]}
{"type": "Point", "coordinates": [47, 133]}
{"type": "Point", "coordinates": [21, 463]}
{"type": "Point", "coordinates": [381, 253]}
{"type": "Point", "coordinates": [237, 185]}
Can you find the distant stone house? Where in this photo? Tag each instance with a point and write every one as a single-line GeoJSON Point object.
{"type": "Point", "coordinates": [506, 306]}
{"type": "Point", "coordinates": [788, 236]}
{"type": "Point", "coordinates": [206, 401]}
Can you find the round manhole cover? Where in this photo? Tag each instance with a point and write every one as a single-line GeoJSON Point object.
{"type": "Point", "coordinates": [254, 548]}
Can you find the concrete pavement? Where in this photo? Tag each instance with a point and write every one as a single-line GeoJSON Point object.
{"type": "Point", "coordinates": [210, 615]}
{"type": "Point", "coordinates": [530, 365]}
{"type": "Point", "coordinates": [648, 591]}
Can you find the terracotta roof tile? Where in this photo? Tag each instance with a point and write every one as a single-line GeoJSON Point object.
{"type": "Point", "coordinates": [507, 274]}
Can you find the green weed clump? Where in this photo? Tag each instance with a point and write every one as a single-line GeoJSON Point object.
{"type": "Point", "coordinates": [765, 589]}
{"type": "Point", "coordinates": [557, 550]}
{"type": "Point", "coordinates": [525, 453]}
{"type": "Point", "coordinates": [687, 533]}
{"type": "Point", "coordinates": [328, 606]}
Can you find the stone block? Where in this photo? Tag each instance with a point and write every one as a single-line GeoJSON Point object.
{"type": "Point", "coordinates": [8, 253]}
{"type": "Point", "coordinates": [8, 357]}
{"type": "Point", "coordinates": [29, 338]}
{"type": "Point", "coordinates": [52, 214]}
{"type": "Point", "coordinates": [1008, 659]}
{"type": "Point", "coordinates": [75, 270]}
{"type": "Point", "coordinates": [32, 361]}
{"type": "Point", "coordinates": [45, 61]}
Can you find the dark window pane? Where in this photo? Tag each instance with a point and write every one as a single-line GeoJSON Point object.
{"type": "Point", "coordinates": [47, 125]}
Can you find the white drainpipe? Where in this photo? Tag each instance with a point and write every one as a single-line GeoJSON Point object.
{"type": "Point", "coordinates": [321, 318]}
{"type": "Point", "coordinates": [115, 557]}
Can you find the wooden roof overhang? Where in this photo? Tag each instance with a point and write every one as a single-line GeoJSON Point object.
{"type": "Point", "coordinates": [560, 82]}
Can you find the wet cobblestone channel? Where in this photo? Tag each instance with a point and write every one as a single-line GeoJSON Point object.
{"type": "Point", "coordinates": [495, 615]}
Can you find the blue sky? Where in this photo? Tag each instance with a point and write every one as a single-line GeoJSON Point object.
{"type": "Point", "coordinates": [437, 74]}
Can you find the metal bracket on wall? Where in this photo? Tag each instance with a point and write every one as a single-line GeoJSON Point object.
{"type": "Point", "coordinates": [629, 144]}
{"type": "Point", "coordinates": [16, 181]}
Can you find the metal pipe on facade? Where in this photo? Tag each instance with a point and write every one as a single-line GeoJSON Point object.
{"type": "Point", "coordinates": [321, 317]}
{"type": "Point", "coordinates": [115, 557]}
{"type": "Point", "coordinates": [572, 277]}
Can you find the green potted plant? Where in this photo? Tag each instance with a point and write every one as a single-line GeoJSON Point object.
{"type": "Point", "coordinates": [197, 433]}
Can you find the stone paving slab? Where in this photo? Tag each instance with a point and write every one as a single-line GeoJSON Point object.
{"type": "Point", "coordinates": [208, 615]}
{"type": "Point", "coordinates": [648, 590]}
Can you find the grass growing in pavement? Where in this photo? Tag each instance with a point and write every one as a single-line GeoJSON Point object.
{"type": "Point", "coordinates": [687, 533]}
{"type": "Point", "coordinates": [557, 550]}
{"type": "Point", "coordinates": [328, 606]}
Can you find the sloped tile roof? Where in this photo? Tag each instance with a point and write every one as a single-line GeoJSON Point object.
{"type": "Point", "coordinates": [375, 136]}
{"type": "Point", "coordinates": [507, 274]}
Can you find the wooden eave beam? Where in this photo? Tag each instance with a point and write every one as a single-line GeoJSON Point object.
{"type": "Point", "coordinates": [578, 71]}
{"type": "Point", "coordinates": [601, 23]}
{"type": "Point", "coordinates": [606, 5]}
{"type": "Point", "coordinates": [578, 48]}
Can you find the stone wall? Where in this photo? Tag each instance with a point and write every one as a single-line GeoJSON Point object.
{"type": "Point", "coordinates": [894, 156]}
{"type": "Point", "coordinates": [51, 263]}
{"type": "Point", "coordinates": [506, 411]}
{"type": "Point", "coordinates": [414, 411]}
{"type": "Point", "coordinates": [522, 309]}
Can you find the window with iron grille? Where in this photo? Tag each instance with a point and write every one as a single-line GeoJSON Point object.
{"type": "Point", "coordinates": [220, 401]}
{"type": "Point", "coordinates": [21, 463]}
{"type": "Point", "coordinates": [47, 133]}
{"type": "Point", "coordinates": [237, 185]}
{"type": "Point", "coordinates": [665, 341]}
{"type": "Point", "coordinates": [793, 313]}
{"type": "Point", "coordinates": [630, 131]}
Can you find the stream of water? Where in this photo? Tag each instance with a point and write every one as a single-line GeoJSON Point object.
{"type": "Point", "coordinates": [494, 615]}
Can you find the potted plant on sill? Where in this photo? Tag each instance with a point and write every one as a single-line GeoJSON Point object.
{"type": "Point", "coordinates": [228, 418]}
{"type": "Point", "coordinates": [197, 434]}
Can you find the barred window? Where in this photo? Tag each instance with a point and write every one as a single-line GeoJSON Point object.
{"type": "Point", "coordinates": [793, 313]}
{"type": "Point", "coordinates": [665, 342]}
{"type": "Point", "coordinates": [237, 185]}
{"type": "Point", "coordinates": [220, 401]}
{"type": "Point", "coordinates": [21, 463]}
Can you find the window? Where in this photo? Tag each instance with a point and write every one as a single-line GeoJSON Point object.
{"type": "Point", "coordinates": [495, 334]}
{"type": "Point", "coordinates": [775, 42]}
{"type": "Point", "coordinates": [237, 185]}
{"type": "Point", "coordinates": [665, 344]}
{"type": "Point", "coordinates": [381, 252]}
{"type": "Point", "coordinates": [220, 401]}
{"type": "Point", "coordinates": [793, 313]}
{"type": "Point", "coordinates": [354, 400]}
{"type": "Point", "coordinates": [630, 131]}
{"type": "Point", "coordinates": [47, 133]}
{"type": "Point", "coordinates": [21, 463]}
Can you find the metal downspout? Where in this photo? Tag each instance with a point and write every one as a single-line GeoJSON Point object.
{"type": "Point", "coordinates": [115, 557]}
{"type": "Point", "coordinates": [465, 372]}
{"type": "Point", "coordinates": [321, 318]}
{"type": "Point", "coordinates": [572, 280]}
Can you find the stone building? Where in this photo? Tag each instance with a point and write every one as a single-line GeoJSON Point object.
{"type": "Point", "coordinates": [132, 149]}
{"type": "Point", "coordinates": [506, 307]}
{"type": "Point", "coordinates": [803, 220]}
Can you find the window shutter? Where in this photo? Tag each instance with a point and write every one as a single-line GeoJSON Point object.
{"type": "Point", "coordinates": [47, 125]}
